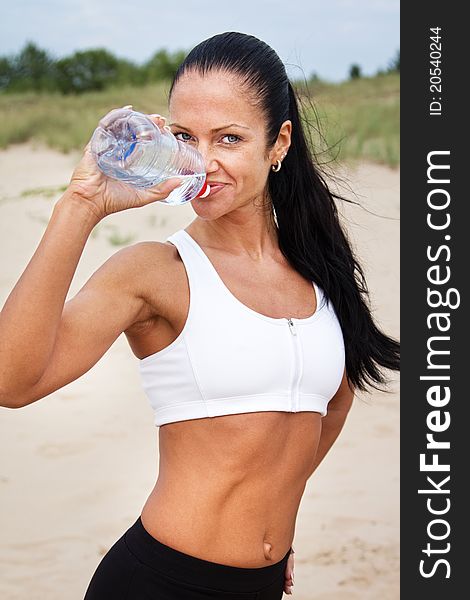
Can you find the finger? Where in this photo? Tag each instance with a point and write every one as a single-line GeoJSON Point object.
{"type": "Point", "coordinates": [167, 186]}
{"type": "Point", "coordinates": [109, 117]}
{"type": "Point", "coordinates": [290, 564]}
{"type": "Point", "coordinates": [88, 159]}
{"type": "Point", "coordinates": [158, 120]}
{"type": "Point", "coordinates": [289, 581]}
{"type": "Point", "coordinates": [162, 190]}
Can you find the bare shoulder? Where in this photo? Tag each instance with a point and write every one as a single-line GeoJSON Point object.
{"type": "Point", "coordinates": [153, 262]}
{"type": "Point", "coordinates": [152, 250]}
{"type": "Point", "coordinates": [133, 262]}
{"type": "Point", "coordinates": [155, 270]}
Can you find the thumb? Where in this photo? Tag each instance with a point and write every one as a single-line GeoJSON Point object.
{"type": "Point", "coordinates": [164, 189]}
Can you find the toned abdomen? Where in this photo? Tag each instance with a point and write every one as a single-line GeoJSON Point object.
{"type": "Point", "coordinates": [229, 488]}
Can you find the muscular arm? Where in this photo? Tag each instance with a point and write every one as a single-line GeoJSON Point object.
{"type": "Point", "coordinates": [333, 422]}
{"type": "Point", "coordinates": [45, 342]}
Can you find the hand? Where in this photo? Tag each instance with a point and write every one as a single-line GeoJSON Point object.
{"type": "Point", "coordinates": [289, 573]}
{"type": "Point", "coordinates": [105, 195]}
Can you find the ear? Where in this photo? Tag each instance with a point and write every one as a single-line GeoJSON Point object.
{"type": "Point", "coordinates": [282, 143]}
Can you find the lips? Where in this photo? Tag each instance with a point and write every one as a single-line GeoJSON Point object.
{"type": "Point", "coordinates": [215, 187]}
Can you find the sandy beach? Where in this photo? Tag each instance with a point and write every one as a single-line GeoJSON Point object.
{"type": "Point", "coordinates": [77, 466]}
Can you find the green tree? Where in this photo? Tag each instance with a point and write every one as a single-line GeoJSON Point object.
{"type": "Point", "coordinates": [129, 73]}
{"type": "Point", "coordinates": [355, 72]}
{"type": "Point", "coordinates": [163, 65]}
{"type": "Point", "coordinates": [32, 69]}
{"type": "Point", "coordinates": [6, 72]}
{"type": "Point", "coordinates": [87, 70]}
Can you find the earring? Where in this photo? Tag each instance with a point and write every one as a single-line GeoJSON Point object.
{"type": "Point", "coordinates": [278, 166]}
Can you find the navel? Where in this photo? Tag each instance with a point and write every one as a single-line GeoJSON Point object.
{"type": "Point", "coordinates": [267, 550]}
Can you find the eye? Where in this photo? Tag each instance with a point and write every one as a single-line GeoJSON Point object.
{"type": "Point", "coordinates": [182, 133]}
{"type": "Point", "coordinates": [231, 135]}
{"type": "Point", "coordinates": [232, 141]}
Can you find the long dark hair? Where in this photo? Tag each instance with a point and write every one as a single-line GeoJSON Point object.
{"type": "Point", "coordinates": [309, 232]}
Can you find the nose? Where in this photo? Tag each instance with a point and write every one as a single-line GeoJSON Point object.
{"type": "Point", "coordinates": [209, 157]}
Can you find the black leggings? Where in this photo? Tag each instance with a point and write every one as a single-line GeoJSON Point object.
{"type": "Point", "coordinates": [140, 567]}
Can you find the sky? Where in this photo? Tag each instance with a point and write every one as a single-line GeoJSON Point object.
{"type": "Point", "coordinates": [324, 37]}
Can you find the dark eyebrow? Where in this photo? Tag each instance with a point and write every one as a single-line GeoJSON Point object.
{"type": "Point", "coordinates": [212, 130]}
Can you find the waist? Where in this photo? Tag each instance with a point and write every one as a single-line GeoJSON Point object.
{"type": "Point", "coordinates": [241, 529]}
{"type": "Point", "coordinates": [193, 570]}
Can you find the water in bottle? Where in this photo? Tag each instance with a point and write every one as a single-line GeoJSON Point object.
{"type": "Point", "coordinates": [128, 146]}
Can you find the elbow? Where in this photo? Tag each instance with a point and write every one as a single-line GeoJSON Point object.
{"type": "Point", "coordinates": [19, 396]}
{"type": "Point", "coordinates": [10, 401]}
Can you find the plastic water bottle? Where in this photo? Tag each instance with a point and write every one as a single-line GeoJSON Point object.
{"type": "Point", "coordinates": [128, 146]}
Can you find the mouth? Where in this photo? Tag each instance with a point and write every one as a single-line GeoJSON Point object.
{"type": "Point", "coordinates": [215, 188]}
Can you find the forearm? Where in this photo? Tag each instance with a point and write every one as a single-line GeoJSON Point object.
{"type": "Point", "coordinates": [31, 315]}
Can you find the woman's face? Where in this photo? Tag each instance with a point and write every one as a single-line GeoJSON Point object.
{"type": "Point", "coordinates": [212, 113]}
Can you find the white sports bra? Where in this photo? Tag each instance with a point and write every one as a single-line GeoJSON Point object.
{"type": "Point", "coordinates": [230, 359]}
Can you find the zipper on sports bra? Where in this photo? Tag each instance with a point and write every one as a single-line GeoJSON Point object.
{"type": "Point", "coordinates": [292, 326]}
{"type": "Point", "coordinates": [297, 366]}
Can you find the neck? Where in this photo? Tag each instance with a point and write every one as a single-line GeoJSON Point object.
{"type": "Point", "coordinates": [248, 231]}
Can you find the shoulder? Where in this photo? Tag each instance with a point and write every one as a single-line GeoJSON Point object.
{"type": "Point", "coordinates": [153, 270]}
{"type": "Point", "coordinates": [137, 257]}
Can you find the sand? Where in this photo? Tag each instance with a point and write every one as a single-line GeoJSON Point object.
{"type": "Point", "coordinates": [77, 466]}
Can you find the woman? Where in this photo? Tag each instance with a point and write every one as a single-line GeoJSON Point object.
{"type": "Point", "coordinates": [250, 325]}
